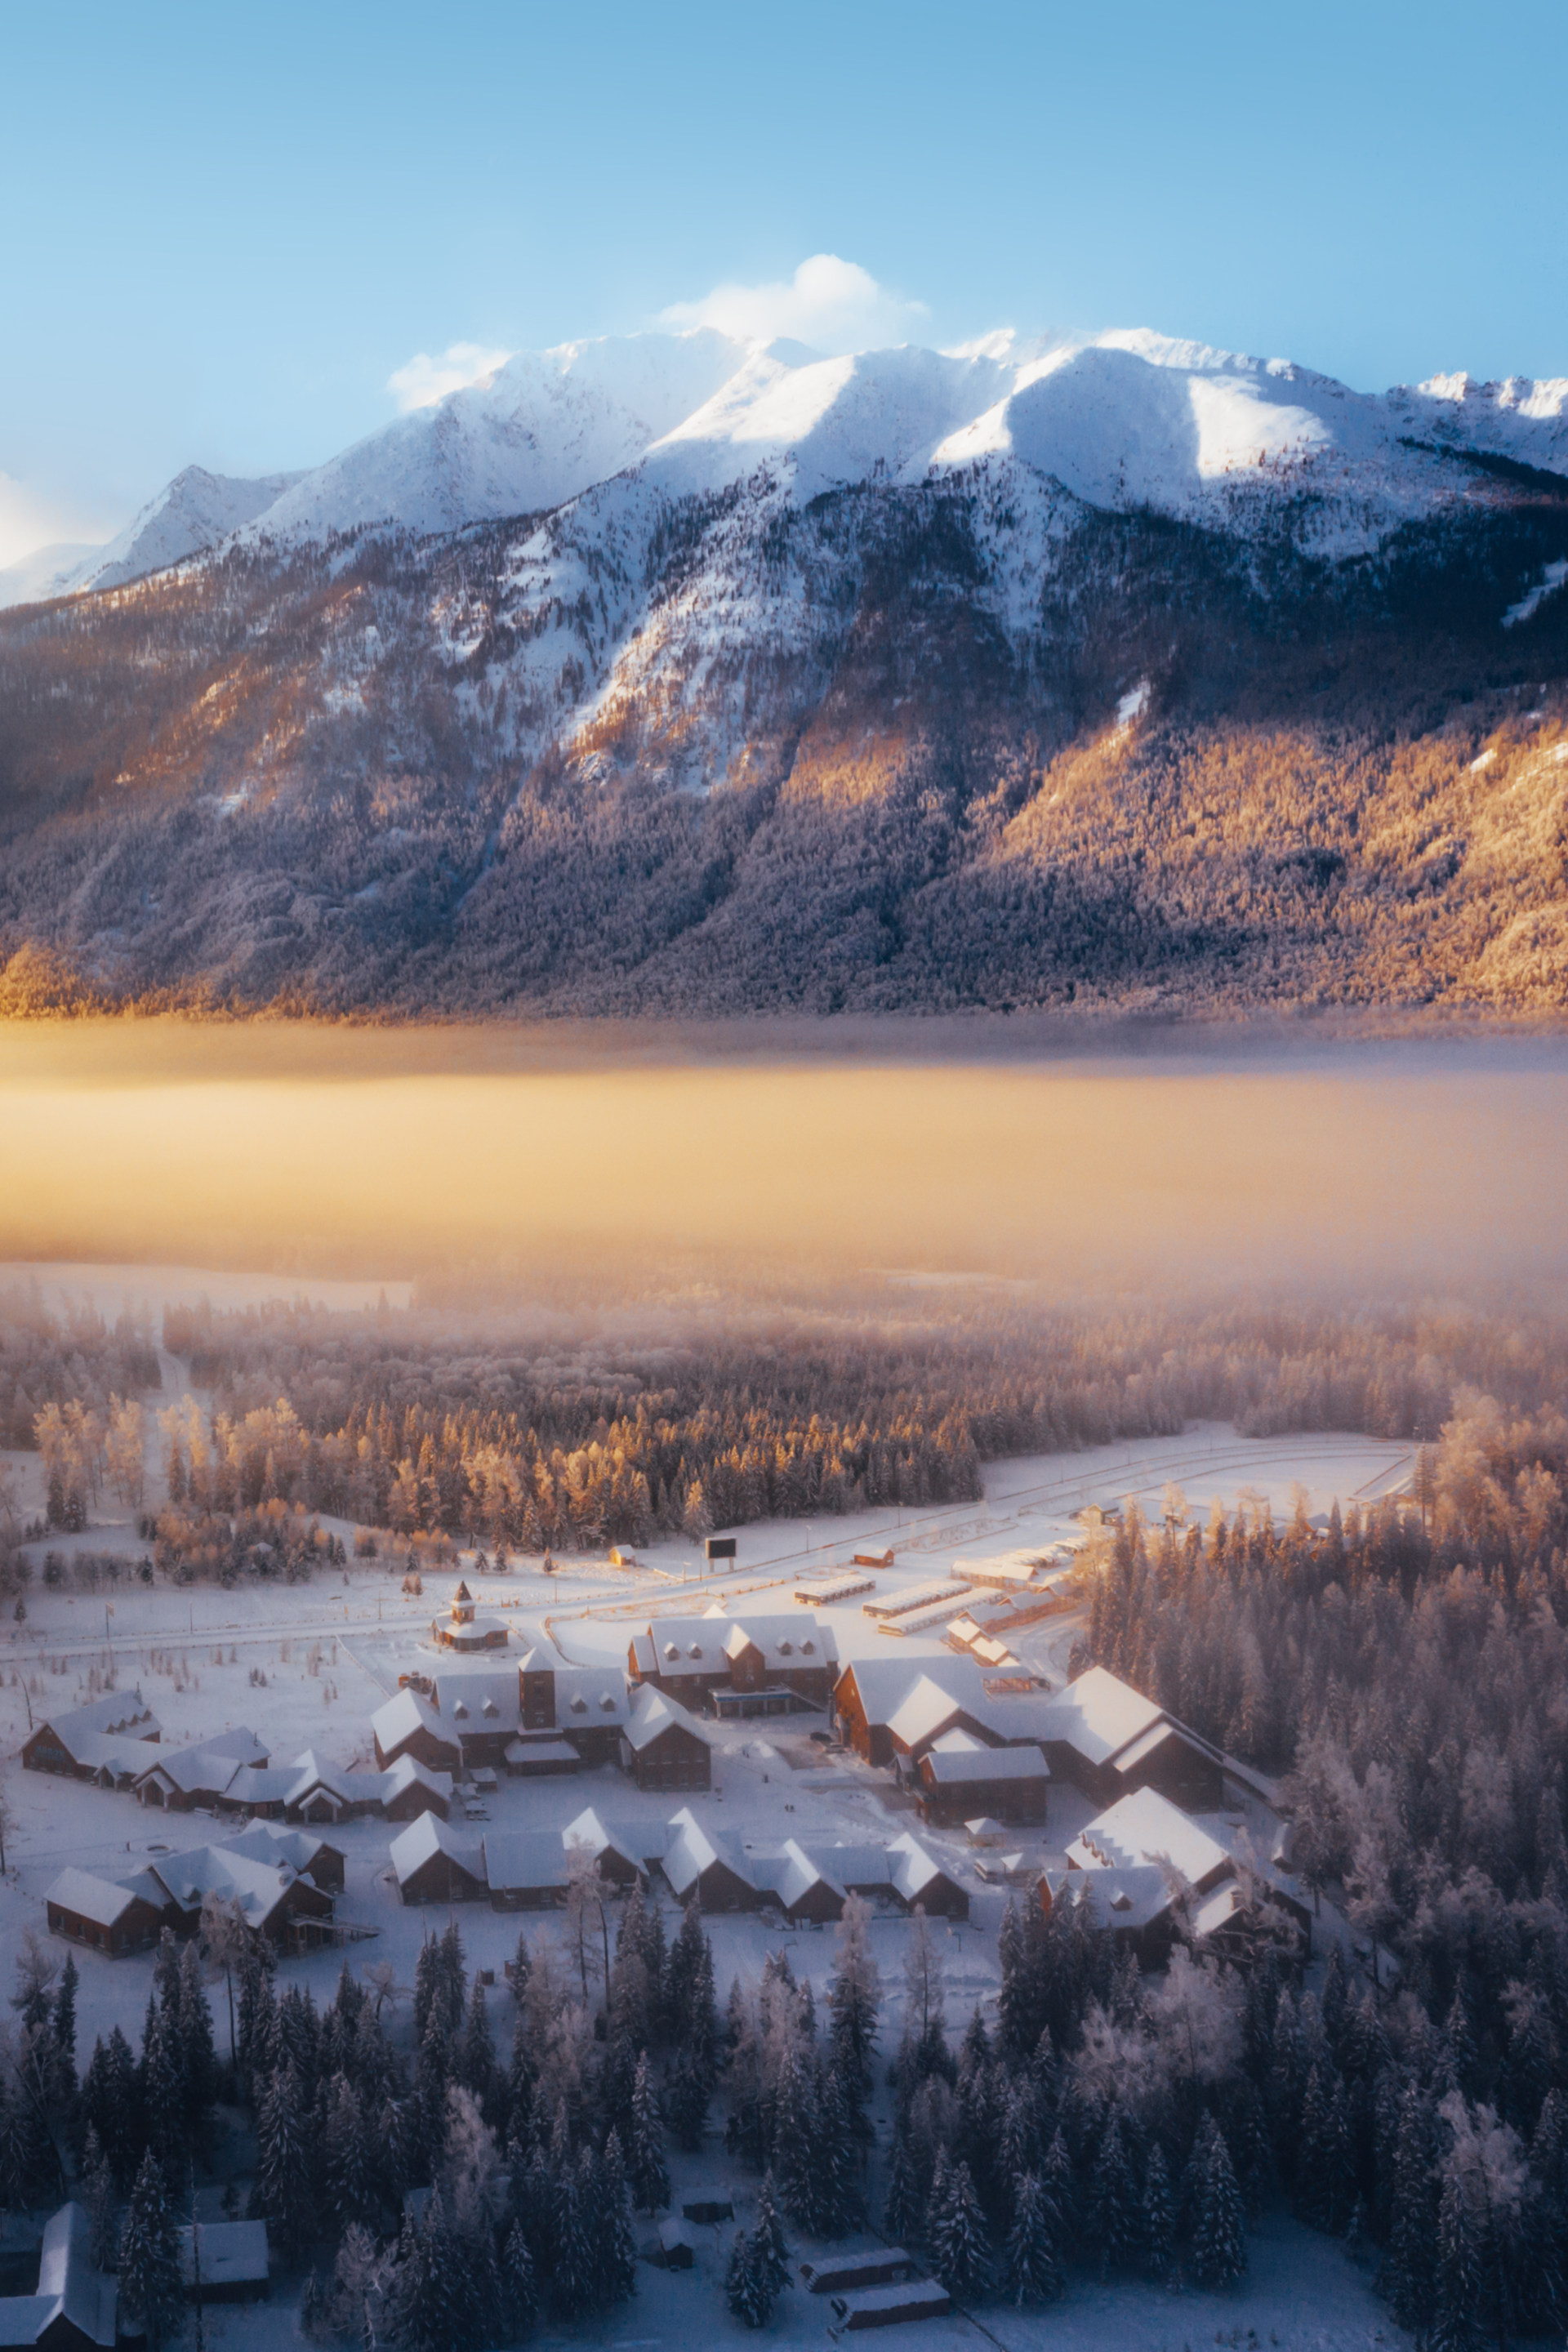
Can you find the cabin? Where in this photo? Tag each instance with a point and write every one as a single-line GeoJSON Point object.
{"type": "Point", "coordinates": [617, 1852]}
{"type": "Point", "coordinates": [80, 1739]}
{"type": "Point", "coordinates": [463, 1628]}
{"type": "Point", "coordinates": [1137, 1902]}
{"type": "Point", "coordinates": [409, 1726]}
{"type": "Point", "coordinates": [1109, 1739]}
{"type": "Point", "coordinates": [846, 2273]}
{"type": "Point", "coordinates": [271, 1897]}
{"type": "Point", "coordinates": [890, 1710]}
{"type": "Point", "coordinates": [526, 1870]}
{"type": "Point", "coordinates": [233, 2258]}
{"type": "Point", "coordinates": [409, 1789]}
{"type": "Point", "coordinates": [690, 1658]}
{"type": "Point", "coordinates": [432, 1865]}
{"type": "Point", "coordinates": [710, 1865]}
{"type": "Point", "coordinates": [890, 2307]}
{"type": "Point", "coordinates": [311, 1856]}
{"type": "Point", "coordinates": [959, 1776]}
{"type": "Point", "coordinates": [663, 1747]}
{"type": "Point", "coordinates": [76, 2308]}
{"type": "Point", "coordinates": [1146, 1827]}
{"type": "Point", "coordinates": [105, 1915]}
{"type": "Point", "coordinates": [795, 1879]}
{"type": "Point", "coordinates": [181, 1779]}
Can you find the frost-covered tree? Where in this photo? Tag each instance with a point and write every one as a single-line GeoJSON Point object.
{"type": "Point", "coordinates": [854, 2003]}
{"type": "Point", "coordinates": [956, 2231]}
{"type": "Point", "coordinates": [1158, 2220]}
{"type": "Point", "coordinates": [1031, 2271]}
{"type": "Point", "coordinates": [149, 2281]}
{"type": "Point", "coordinates": [1218, 2245]}
{"type": "Point", "coordinates": [647, 2170]}
{"type": "Point", "coordinates": [283, 2192]}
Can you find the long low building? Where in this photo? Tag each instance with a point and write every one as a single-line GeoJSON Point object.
{"type": "Point", "coordinates": [512, 1870]}
{"type": "Point", "coordinates": [256, 1876]}
{"type": "Point", "coordinates": [80, 1740]}
{"type": "Point", "coordinates": [76, 2308]}
{"type": "Point", "coordinates": [806, 1878]}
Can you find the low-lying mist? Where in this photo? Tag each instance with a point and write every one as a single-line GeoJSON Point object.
{"type": "Point", "coordinates": [399, 1154]}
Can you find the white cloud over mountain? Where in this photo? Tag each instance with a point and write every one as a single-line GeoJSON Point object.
{"type": "Point", "coordinates": [423, 380]}
{"type": "Point", "coordinates": [833, 305]}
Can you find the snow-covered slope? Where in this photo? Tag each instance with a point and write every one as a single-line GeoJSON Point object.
{"type": "Point", "coordinates": [544, 428]}
{"type": "Point", "coordinates": [194, 512]}
{"type": "Point", "coordinates": [47, 571]}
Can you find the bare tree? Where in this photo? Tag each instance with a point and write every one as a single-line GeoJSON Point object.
{"type": "Point", "coordinates": [584, 1912]}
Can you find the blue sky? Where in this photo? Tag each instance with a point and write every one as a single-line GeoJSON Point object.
{"type": "Point", "coordinates": [229, 232]}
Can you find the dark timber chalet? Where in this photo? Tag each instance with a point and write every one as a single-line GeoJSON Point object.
{"type": "Point", "coordinates": [409, 1726]}
{"type": "Point", "coordinates": [105, 1740]}
{"type": "Point", "coordinates": [699, 1659]}
{"type": "Point", "coordinates": [664, 1747]}
{"type": "Point", "coordinates": [76, 2308]}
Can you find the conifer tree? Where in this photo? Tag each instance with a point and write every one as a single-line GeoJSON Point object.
{"type": "Point", "coordinates": [903, 2209]}
{"type": "Point", "coordinates": [1033, 2273]}
{"type": "Point", "coordinates": [1219, 2251]}
{"type": "Point", "coordinates": [854, 2002]}
{"type": "Point", "coordinates": [62, 2028]}
{"type": "Point", "coordinates": [1158, 2231]}
{"type": "Point", "coordinates": [1457, 2272]}
{"type": "Point", "coordinates": [283, 2192]}
{"type": "Point", "coordinates": [520, 2288]}
{"type": "Point", "coordinates": [474, 2055]}
{"type": "Point", "coordinates": [836, 2204]}
{"type": "Point", "coordinates": [1060, 2184]}
{"type": "Point", "coordinates": [571, 2278]}
{"type": "Point", "coordinates": [796, 2145]}
{"type": "Point", "coordinates": [744, 2290]}
{"type": "Point", "coordinates": [645, 2168]}
{"type": "Point", "coordinates": [769, 2250]}
{"type": "Point", "coordinates": [617, 2247]}
{"type": "Point", "coordinates": [345, 2155]}
{"type": "Point", "coordinates": [1408, 2274]}
{"type": "Point", "coordinates": [150, 2280]}
{"type": "Point", "coordinates": [1115, 2215]}
{"type": "Point", "coordinates": [197, 2055]}
{"type": "Point", "coordinates": [956, 2231]}
{"type": "Point", "coordinates": [96, 2194]}
{"type": "Point", "coordinates": [687, 2101]}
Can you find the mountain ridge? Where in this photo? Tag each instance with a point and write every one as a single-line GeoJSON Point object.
{"type": "Point", "coordinates": [1121, 673]}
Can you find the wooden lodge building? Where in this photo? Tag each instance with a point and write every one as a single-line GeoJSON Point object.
{"type": "Point", "coordinates": [699, 1660]}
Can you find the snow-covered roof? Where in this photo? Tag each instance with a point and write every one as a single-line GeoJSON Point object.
{"type": "Point", "coordinates": [1134, 1753]}
{"type": "Point", "coordinates": [116, 1711]}
{"type": "Point", "coordinates": [691, 1849]}
{"type": "Point", "coordinates": [300, 1849]}
{"type": "Point", "coordinates": [208, 1764]}
{"type": "Point", "coordinates": [81, 2294]}
{"type": "Point", "coordinates": [589, 1829]}
{"type": "Point", "coordinates": [234, 2253]}
{"type": "Point", "coordinates": [589, 1694]}
{"type": "Point", "coordinates": [1100, 1715]}
{"type": "Point", "coordinates": [408, 1772]}
{"type": "Point", "coordinates": [652, 1714]}
{"type": "Point", "coordinates": [123, 1754]}
{"type": "Point", "coordinates": [479, 1698]}
{"type": "Point", "coordinates": [913, 1869]}
{"type": "Point", "coordinates": [948, 1765]}
{"type": "Point", "coordinates": [257, 1885]}
{"type": "Point", "coordinates": [101, 1900]}
{"type": "Point", "coordinates": [785, 1642]}
{"type": "Point", "coordinates": [516, 1861]}
{"type": "Point", "coordinates": [925, 1709]}
{"type": "Point", "coordinates": [428, 1835]}
{"type": "Point", "coordinates": [1131, 1896]}
{"type": "Point", "coordinates": [791, 1870]}
{"type": "Point", "coordinates": [406, 1712]}
{"type": "Point", "coordinates": [1003, 1568]}
{"type": "Point", "coordinates": [1145, 1827]}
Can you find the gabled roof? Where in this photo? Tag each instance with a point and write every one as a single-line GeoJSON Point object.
{"type": "Point", "coordinates": [784, 1643]}
{"type": "Point", "coordinates": [234, 2253]}
{"type": "Point", "coordinates": [406, 1712]}
{"type": "Point", "coordinates": [925, 1709]}
{"type": "Point", "coordinates": [956, 1765]}
{"type": "Point", "coordinates": [519, 1861]}
{"type": "Point", "coordinates": [589, 1829]}
{"type": "Point", "coordinates": [82, 2295]}
{"type": "Point", "coordinates": [300, 1849]}
{"type": "Point", "coordinates": [1128, 1898]}
{"type": "Point", "coordinates": [479, 1698]}
{"type": "Point", "coordinates": [208, 1763]}
{"type": "Point", "coordinates": [1100, 1715]}
{"type": "Point", "coordinates": [1145, 1827]}
{"type": "Point", "coordinates": [913, 1870]}
{"type": "Point", "coordinates": [791, 1870]}
{"type": "Point", "coordinates": [691, 1849]}
{"type": "Point", "coordinates": [408, 1772]}
{"type": "Point", "coordinates": [652, 1715]}
{"type": "Point", "coordinates": [101, 1900]}
{"type": "Point", "coordinates": [585, 1696]}
{"type": "Point", "coordinates": [462, 1594]}
{"type": "Point", "coordinates": [115, 1711]}
{"type": "Point", "coordinates": [258, 1886]}
{"type": "Point", "coordinates": [120, 1753]}
{"type": "Point", "coordinates": [428, 1835]}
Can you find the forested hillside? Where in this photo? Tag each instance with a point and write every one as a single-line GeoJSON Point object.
{"type": "Point", "coordinates": [972, 743]}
